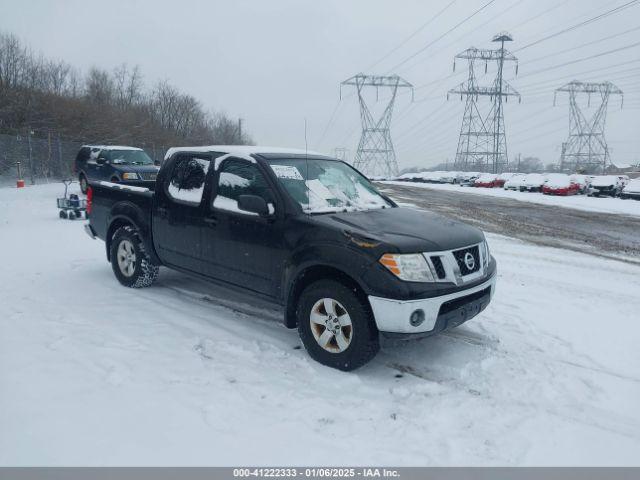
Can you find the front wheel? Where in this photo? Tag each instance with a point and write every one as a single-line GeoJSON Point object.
{"type": "Point", "coordinates": [336, 326]}
{"type": "Point", "coordinates": [131, 264]}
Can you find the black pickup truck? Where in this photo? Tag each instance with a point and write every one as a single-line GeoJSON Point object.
{"type": "Point", "coordinates": [305, 231]}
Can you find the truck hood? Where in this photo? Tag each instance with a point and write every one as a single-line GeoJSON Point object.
{"type": "Point", "coordinates": [406, 229]}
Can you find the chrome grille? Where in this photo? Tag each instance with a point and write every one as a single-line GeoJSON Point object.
{"type": "Point", "coordinates": [148, 176]}
{"type": "Point", "coordinates": [462, 255]}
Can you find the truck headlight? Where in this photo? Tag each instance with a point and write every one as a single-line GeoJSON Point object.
{"type": "Point", "coordinates": [130, 176]}
{"type": "Point", "coordinates": [408, 267]}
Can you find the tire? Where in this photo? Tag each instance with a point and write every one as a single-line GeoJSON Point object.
{"type": "Point", "coordinates": [63, 214]}
{"type": "Point", "coordinates": [72, 216]}
{"type": "Point", "coordinates": [359, 335]}
{"type": "Point", "coordinates": [130, 262]}
{"type": "Point", "coordinates": [84, 185]}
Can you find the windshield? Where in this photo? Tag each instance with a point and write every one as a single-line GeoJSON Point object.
{"type": "Point", "coordinates": [324, 186]}
{"type": "Point", "coordinates": [128, 157]}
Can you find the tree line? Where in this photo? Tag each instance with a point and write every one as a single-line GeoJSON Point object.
{"type": "Point", "coordinates": [40, 96]}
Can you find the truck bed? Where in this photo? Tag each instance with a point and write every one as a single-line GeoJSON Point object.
{"type": "Point", "coordinates": [112, 199]}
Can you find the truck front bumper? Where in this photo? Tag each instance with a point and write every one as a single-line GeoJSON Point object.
{"type": "Point", "coordinates": [431, 315]}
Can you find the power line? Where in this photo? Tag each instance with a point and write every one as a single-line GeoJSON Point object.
{"type": "Point", "coordinates": [545, 57]}
{"type": "Point", "coordinates": [443, 35]}
{"type": "Point", "coordinates": [326, 128]}
{"type": "Point", "coordinates": [478, 27]}
{"type": "Point", "coordinates": [580, 24]}
{"type": "Point", "coordinates": [597, 55]}
{"type": "Point", "coordinates": [406, 40]}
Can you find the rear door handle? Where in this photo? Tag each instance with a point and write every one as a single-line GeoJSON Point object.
{"type": "Point", "coordinates": [211, 220]}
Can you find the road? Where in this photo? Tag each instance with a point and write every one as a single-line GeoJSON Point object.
{"type": "Point", "coordinates": [601, 234]}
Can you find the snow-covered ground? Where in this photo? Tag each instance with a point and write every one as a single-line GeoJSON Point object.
{"type": "Point", "coordinates": [579, 202]}
{"type": "Point", "coordinates": [92, 373]}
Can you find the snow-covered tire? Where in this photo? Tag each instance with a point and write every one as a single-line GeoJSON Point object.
{"type": "Point", "coordinates": [131, 264]}
{"type": "Point", "coordinates": [84, 185]}
{"type": "Point", "coordinates": [348, 315]}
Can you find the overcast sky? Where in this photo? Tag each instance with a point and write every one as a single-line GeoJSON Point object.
{"type": "Point", "coordinates": [276, 62]}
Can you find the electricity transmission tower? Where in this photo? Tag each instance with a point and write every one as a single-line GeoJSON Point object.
{"type": "Point", "coordinates": [375, 154]}
{"type": "Point", "coordinates": [341, 153]}
{"type": "Point", "coordinates": [482, 145]}
{"type": "Point", "coordinates": [586, 148]}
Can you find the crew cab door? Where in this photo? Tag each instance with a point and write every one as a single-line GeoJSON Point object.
{"type": "Point", "coordinates": [241, 247]}
{"type": "Point", "coordinates": [178, 214]}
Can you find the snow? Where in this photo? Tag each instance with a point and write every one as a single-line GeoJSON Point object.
{"type": "Point", "coordinates": [486, 178]}
{"type": "Point", "coordinates": [112, 147]}
{"type": "Point", "coordinates": [605, 180]}
{"type": "Point", "coordinates": [534, 180]}
{"type": "Point", "coordinates": [192, 195]}
{"type": "Point", "coordinates": [633, 186]}
{"type": "Point", "coordinates": [242, 151]}
{"type": "Point", "coordinates": [578, 202]}
{"type": "Point", "coordinates": [233, 180]}
{"type": "Point", "coordinates": [92, 373]}
{"type": "Point", "coordinates": [558, 180]}
{"type": "Point", "coordinates": [225, 203]}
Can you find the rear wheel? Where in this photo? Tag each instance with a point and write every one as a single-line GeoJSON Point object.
{"type": "Point", "coordinates": [131, 264]}
{"type": "Point", "coordinates": [336, 326]}
{"type": "Point", "coordinates": [63, 214]}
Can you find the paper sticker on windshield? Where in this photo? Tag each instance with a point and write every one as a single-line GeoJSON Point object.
{"type": "Point", "coordinates": [287, 171]}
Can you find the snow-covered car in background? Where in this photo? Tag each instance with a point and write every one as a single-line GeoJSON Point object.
{"type": "Point", "coordinates": [467, 179]}
{"type": "Point", "coordinates": [608, 185]}
{"type": "Point", "coordinates": [533, 182]}
{"type": "Point", "coordinates": [583, 182]}
{"type": "Point", "coordinates": [516, 182]}
{"type": "Point", "coordinates": [560, 184]}
{"type": "Point", "coordinates": [408, 177]}
{"type": "Point", "coordinates": [486, 180]}
{"type": "Point", "coordinates": [631, 189]}
{"type": "Point", "coordinates": [502, 178]}
{"type": "Point", "coordinates": [447, 177]}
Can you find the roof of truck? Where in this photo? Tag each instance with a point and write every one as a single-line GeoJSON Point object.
{"type": "Point", "coordinates": [241, 150]}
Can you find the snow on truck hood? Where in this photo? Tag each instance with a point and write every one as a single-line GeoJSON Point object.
{"type": "Point", "coordinates": [407, 229]}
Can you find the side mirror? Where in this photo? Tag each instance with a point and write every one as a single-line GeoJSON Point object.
{"type": "Point", "coordinates": [253, 204]}
{"type": "Point", "coordinates": [101, 160]}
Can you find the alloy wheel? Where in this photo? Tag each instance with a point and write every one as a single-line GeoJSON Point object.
{"type": "Point", "coordinates": [331, 325]}
{"type": "Point", "coordinates": [126, 258]}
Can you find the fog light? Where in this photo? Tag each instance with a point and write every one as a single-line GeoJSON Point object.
{"type": "Point", "coordinates": [416, 318]}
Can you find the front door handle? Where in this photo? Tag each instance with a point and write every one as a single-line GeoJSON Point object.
{"type": "Point", "coordinates": [211, 220]}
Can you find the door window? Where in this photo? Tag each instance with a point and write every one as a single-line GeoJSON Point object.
{"type": "Point", "coordinates": [237, 178]}
{"type": "Point", "coordinates": [186, 184]}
